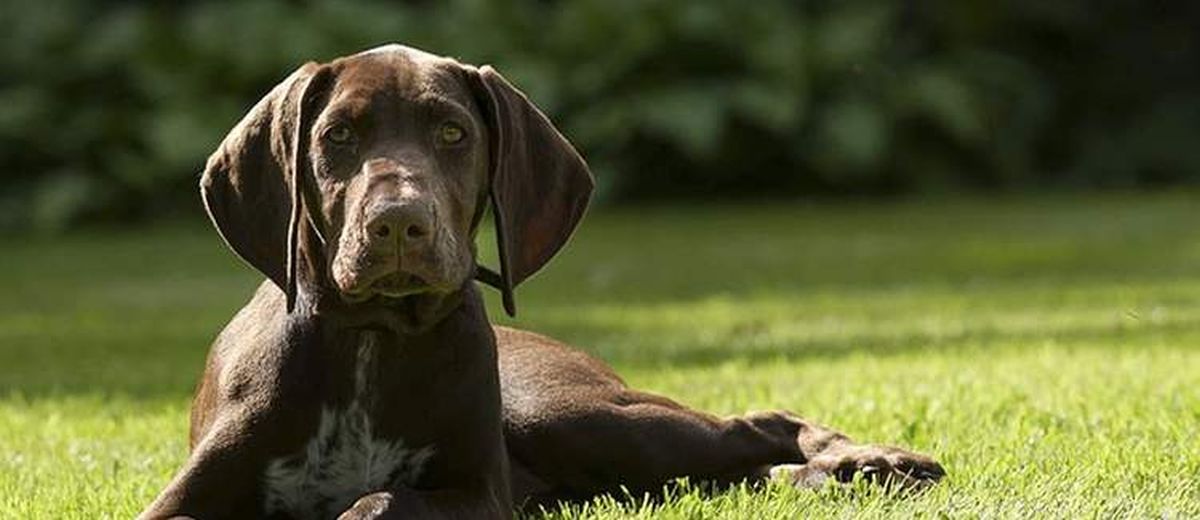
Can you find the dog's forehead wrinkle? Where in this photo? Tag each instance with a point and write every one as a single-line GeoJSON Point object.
{"type": "Point", "coordinates": [396, 108]}
{"type": "Point", "coordinates": [350, 102]}
{"type": "Point", "coordinates": [441, 100]}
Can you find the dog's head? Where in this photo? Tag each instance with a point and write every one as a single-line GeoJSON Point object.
{"type": "Point", "coordinates": [359, 184]}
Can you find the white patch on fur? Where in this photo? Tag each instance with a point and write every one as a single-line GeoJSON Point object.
{"type": "Point", "coordinates": [344, 460]}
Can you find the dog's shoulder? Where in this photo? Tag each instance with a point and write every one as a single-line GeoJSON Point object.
{"type": "Point", "coordinates": [263, 351]}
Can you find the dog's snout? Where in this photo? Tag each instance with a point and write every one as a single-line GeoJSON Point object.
{"type": "Point", "coordinates": [400, 223]}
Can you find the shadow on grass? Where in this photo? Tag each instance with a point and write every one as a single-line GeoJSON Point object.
{"type": "Point", "coordinates": [169, 368]}
{"type": "Point", "coordinates": [973, 342]}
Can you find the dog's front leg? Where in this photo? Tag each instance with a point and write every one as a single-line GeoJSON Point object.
{"type": "Point", "coordinates": [409, 503]}
{"type": "Point", "coordinates": [220, 479]}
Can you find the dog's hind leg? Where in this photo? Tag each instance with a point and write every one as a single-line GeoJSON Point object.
{"type": "Point", "coordinates": [576, 430]}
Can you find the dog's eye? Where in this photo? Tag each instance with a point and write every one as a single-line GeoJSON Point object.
{"type": "Point", "coordinates": [339, 134]}
{"type": "Point", "coordinates": [451, 133]}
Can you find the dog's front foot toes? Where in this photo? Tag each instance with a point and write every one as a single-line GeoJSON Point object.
{"type": "Point", "coordinates": [888, 466]}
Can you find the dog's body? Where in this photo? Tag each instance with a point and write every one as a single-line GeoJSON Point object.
{"type": "Point", "coordinates": [364, 379]}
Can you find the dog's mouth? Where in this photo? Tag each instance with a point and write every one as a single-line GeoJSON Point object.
{"type": "Point", "coordinates": [391, 289]}
{"type": "Point", "coordinates": [400, 302]}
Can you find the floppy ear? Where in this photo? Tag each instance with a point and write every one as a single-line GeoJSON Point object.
{"type": "Point", "coordinates": [254, 184]}
{"type": "Point", "coordinates": [540, 185]}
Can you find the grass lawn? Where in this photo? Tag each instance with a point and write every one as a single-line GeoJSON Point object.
{"type": "Point", "coordinates": [1046, 351]}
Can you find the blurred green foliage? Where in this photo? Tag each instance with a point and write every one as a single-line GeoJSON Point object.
{"type": "Point", "coordinates": [108, 109]}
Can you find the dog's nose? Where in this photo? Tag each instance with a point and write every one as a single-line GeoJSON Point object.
{"type": "Point", "coordinates": [400, 223]}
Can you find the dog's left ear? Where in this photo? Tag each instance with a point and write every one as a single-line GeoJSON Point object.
{"type": "Point", "coordinates": [540, 185]}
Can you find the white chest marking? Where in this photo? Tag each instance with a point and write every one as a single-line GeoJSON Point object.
{"type": "Point", "coordinates": [344, 460]}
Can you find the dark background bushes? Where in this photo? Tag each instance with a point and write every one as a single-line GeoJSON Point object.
{"type": "Point", "coordinates": [108, 109]}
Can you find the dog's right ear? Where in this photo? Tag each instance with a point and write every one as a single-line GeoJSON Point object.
{"type": "Point", "coordinates": [253, 184]}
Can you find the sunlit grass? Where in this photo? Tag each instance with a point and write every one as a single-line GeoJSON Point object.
{"type": "Point", "coordinates": [1047, 351]}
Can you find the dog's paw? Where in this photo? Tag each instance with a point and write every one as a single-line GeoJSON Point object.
{"type": "Point", "coordinates": [880, 464]}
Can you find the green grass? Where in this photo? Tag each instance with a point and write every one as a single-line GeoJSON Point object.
{"type": "Point", "coordinates": [1046, 350]}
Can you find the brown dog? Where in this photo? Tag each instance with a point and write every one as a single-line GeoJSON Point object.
{"type": "Point", "coordinates": [364, 380]}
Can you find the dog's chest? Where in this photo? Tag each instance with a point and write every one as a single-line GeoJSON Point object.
{"type": "Point", "coordinates": [345, 458]}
